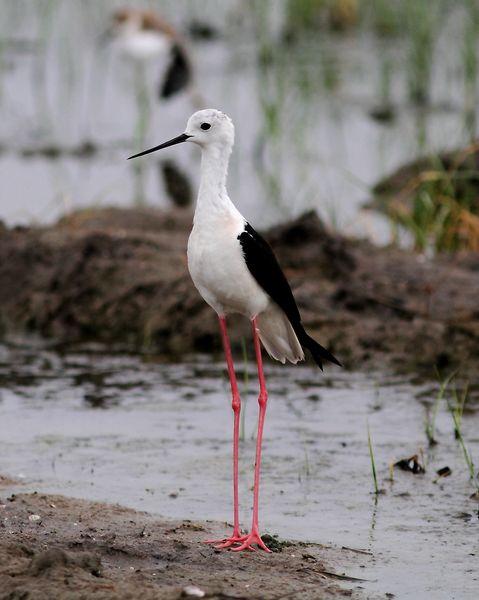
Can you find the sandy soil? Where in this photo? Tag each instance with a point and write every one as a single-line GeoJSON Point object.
{"type": "Point", "coordinates": [55, 547]}
{"type": "Point", "coordinates": [118, 275]}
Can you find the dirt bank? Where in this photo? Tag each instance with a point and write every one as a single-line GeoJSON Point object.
{"type": "Point", "coordinates": [120, 276]}
{"type": "Point", "coordinates": [52, 547]}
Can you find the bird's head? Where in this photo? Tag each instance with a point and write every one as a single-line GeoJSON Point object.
{"type": "Point", "coordinates": [132, 20]}
{"type": "Point", "coordinates": [125, 20]}
{"type": "Point", "coordinates": [210, 127]}
{"type": "Point", "coordinates": [207, 128]}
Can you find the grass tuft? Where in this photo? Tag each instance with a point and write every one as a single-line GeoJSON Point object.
{"type": "Point", "coordinates": [437, 203]}
{"type": "Point", "coordinates": [430, 421]}
{"type": "Point", "coordinates": [456, 406]}
{"type": "Point", "coordinates": [373, 463]}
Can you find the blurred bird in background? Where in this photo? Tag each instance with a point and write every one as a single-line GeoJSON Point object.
{"type": "Point", "coordinates": [143, 35]}
{"type": "Point", "coordinates": [148, 40]}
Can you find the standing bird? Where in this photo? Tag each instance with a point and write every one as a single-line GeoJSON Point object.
{"type": "Point", "coordinates": [235, 271]}
{"type": "Point", "coordinates": [143, 35]}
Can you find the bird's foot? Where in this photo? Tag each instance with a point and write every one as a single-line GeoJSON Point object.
{"type": "Point", "coordinates": [235, 538]}
{"type": "Point", "coordinates": [248, 541]}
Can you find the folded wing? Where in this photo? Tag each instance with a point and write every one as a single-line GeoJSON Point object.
{"type": "Point", "coordinates": [265, 269]}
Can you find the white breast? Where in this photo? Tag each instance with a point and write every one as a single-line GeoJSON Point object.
{"type": "Point", "coordinates": [144, 45]}
{"type": "Point", "coordinates": [218, 268]}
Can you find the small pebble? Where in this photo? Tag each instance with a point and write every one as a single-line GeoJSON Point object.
{"type": "Point", "coordinates": [34, 517]}
{"type": "Point", "coordinates": [193, 590]}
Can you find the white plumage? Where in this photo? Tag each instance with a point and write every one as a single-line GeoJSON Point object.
{"type": "Point", "coordinates": [140, 35]}
{"type": "Point", "coordinates": [143, 36]}
{"type": "Point", "coordinates": [235, 271]}
{"type": "Point", "coordinates": [215, 257]}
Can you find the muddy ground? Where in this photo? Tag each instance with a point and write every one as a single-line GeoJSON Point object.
{"type": "Point", "coordinates": [120, 276]}
{"type": "Point", "coordinates": [53, 547]}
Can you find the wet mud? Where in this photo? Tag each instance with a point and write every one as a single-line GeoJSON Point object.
{"type": "Point", "coordinates": [53, 547]}
{"type": "Point", "coordinates": [156, 436]}
{"type": "Point", "coordinates": [120, 276]}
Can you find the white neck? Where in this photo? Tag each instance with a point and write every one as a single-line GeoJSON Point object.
{"type": "Point", "coordinates": [212, 194]}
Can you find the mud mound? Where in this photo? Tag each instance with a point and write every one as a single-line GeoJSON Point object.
{"type": "Point", "coordinates": [56, 548]}
{"type": "Point", "coordinates": [120, 276]}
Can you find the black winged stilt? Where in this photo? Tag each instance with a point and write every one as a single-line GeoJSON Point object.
{"type": "Point", "coordinates": [235, 271]}
{"type": "Point", "coordinates": [143, 35]}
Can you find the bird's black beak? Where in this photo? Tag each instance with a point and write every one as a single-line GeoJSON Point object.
{"type": "Point", "coordinates": [177, 140]}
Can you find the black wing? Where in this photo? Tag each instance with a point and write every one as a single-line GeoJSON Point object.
{"type": "Point", "coordinates": [178, 74]}
{"type": "Point", "coordinates": [264, 267]}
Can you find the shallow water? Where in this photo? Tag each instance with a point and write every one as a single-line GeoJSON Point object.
{"type": "Point", "coordinates": [305, 136]}
{"type": "Point", "coordinates": [157, 437]}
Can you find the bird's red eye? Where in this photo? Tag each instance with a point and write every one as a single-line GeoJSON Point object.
{"type": "Point", "coordinates": [205, 126]}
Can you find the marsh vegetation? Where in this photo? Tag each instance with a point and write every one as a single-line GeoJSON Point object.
{"type": "Point", "coordinates": [363, 112]}
{"type": "Point", "coordinates": [329, 98]}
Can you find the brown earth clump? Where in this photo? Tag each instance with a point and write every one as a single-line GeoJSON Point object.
{"type": "Point", "coordinates": [58, 548]}
{"type": "Point", "coordinates": [119, 276]}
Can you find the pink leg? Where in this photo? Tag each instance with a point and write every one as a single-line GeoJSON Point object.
{"type": "Point", "coordinates": [254, 537]}
{"type": "Point", "coordinates": [236, 536]}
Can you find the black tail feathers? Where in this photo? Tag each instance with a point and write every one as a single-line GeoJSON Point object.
{"type": "Point", "coordinates": [317, 351]}
{"type": "Point", "coordinates": [178, 74]}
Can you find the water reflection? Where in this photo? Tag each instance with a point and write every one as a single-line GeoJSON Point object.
{"type": "Point", "coordinates": [118, 428]}
{"type": "Point", "coordinates": [320, 115]}
{"type": "Point", "coordinates": [177, 183]}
